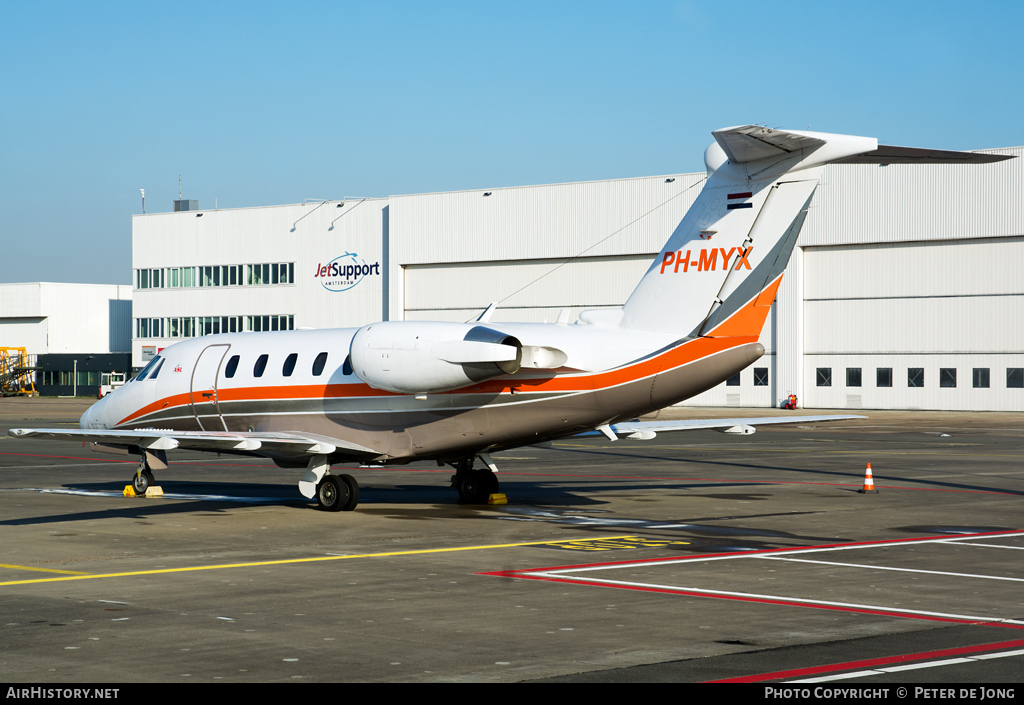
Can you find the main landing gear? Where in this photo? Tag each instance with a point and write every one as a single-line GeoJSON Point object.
{"type": "Point", "coordinates": [473, 486]}
{"type": "Point", "coordinates": [143, 478]}
{"type": "Point", "coordinates": [337, 493]}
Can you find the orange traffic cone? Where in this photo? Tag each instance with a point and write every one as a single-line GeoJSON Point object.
{"type": "Point", "coordinates": [869, 483]}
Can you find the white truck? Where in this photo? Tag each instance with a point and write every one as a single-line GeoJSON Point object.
{"type": "Point", "coordinates": [109, 381]}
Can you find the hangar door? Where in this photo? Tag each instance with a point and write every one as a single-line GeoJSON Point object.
{"type": "Point", "coordinates": [460, 291]}
{"type": "Point", "coordinates": [943, 307]}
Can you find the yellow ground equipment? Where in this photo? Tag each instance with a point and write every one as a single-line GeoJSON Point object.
{"type": "Point", "coordinates": [16, 368]}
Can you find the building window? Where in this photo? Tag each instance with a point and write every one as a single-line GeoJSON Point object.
{"type": "Point", "coordinates": [824, 377]}
{"type": "Point", "coordinates": [852, 376]}
{"type": "Point", "coordinates": [1015, 377]}
{"type": "Point", "coordinates": [733, 381]}
{"type": "Point", "coordinates": [980, 376]}
{"type": "Point", "coordinates": [883, 377]}
{"type": "Point", "coordinates": [947, 376]}
{"type": "Point", "coordinates": [760, 376]}
{"type": "Point", "coordinates": [915, 377]}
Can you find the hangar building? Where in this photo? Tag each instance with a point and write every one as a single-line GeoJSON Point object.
{"type": "Point", "coordinates": [73, 332]}
{"type": "Point", "coordinates": [905, 290]}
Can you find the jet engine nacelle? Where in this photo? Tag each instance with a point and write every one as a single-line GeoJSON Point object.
{"type": "Point", "coordinates": [413, 357]}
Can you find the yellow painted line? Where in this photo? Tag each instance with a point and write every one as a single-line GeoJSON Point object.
{"type": "Point", "coordinates": [42, 570]}
{"type": "Point", "coordinates": [288, 561]}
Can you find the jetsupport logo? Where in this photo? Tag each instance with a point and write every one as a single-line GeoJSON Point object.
{"type": "Point", "coordinates": [344, 272]}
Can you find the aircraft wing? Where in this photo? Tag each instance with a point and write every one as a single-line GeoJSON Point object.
{"type": "Point", "coordinates": [164, 439]}
{"type": "Point", "coordinates": [646, 430]}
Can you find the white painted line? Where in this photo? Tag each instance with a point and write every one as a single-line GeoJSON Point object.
{"type": "Point", "coordinates": [900, 570]}
{"type": "Point", "coordinates": [782, 598]}
{"type": "Point", "coordinates": [889, 544]}
{"type": "Point", "coordinates": [1001, 654]}
{"type": "Point", "coordinates": [754, 554]}
{"type": "Point", "coordinates": [986, 545]}
{"type": "Point", "coordinates": [929, 664]}
{"type": "Point", "coordinates": [910, 667]}
{"type": "Point", "coordinates": [840, 677]}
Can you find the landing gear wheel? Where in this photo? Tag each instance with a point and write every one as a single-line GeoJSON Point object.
{"type": "Point", "coordinates": [142, 481]}
{"type": "Point", "coordinates": [353, 492]}
{"type": "Point", "coordinates": [332, 494]}
{"type": "Point", "coordinates": [475, 486]}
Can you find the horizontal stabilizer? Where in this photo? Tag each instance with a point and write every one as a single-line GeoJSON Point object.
{"type": "Point", "coordinates": [887, 154]}
{"type": "Point", "coordinates": [749, 143]}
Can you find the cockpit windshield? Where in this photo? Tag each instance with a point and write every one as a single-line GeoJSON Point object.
{"type": "Point", "coordinates": [148, 368]}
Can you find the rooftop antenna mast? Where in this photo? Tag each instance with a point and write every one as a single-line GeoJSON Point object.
{"type": "Point", "coordinates": [179, 187]}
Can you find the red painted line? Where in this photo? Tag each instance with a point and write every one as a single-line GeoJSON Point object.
{"type": "Point", "coordinates": [520, 572]}
{"type": "Point", "coordinates": [532, 574]}
{"type": "Point", "coordinates": [764, 601]}
{"type": "Point", "coordinates": [867, 663]}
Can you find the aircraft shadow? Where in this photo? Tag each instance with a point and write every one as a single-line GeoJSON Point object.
{"type": "Point", "coordinates": [187, 496]}
{"type": "Point", "coordinates": [856, 476]}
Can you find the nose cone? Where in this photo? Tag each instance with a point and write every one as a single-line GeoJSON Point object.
{"type": "Point", "coordinates": [94, 416]}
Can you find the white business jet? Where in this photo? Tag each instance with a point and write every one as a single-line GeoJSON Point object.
{"type": "Point", "coordinates": [400, 391]}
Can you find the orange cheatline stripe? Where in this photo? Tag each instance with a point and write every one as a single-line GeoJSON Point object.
{"type": "Point", "coordinates": [749, 320]}
{"type": "Point", "coordinates": [683, 354]}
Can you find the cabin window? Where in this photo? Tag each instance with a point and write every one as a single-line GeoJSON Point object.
{"type": "Point", "coordinates": [261, 365]}
{"type": "Point", "coordinates": [346, 369]}
{"type": "Point", "coordinates": [232, 365]}
{"type": "Point", "coordinates": [156, 370]}
{"type": "Point", "coordinates": [289, 364]}
{"type": "Point", "coordinates": [318, 364]}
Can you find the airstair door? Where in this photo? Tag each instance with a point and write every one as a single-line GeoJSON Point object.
{"type": "Point", "coordinates": [204, 388]}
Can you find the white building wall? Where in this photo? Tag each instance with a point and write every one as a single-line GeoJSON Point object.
{"type": "Point", "coordinates": [537, 228]}
{"type": "Point", "coordinates": [309, 235]}
{"type": "Point", "coordinates": [47, 317]}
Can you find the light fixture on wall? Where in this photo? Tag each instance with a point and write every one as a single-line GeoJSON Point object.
{"type": "Point", "coordinates": [668, 181]}
{"type": "Point", "coordinates": [487, 193]}
{"type": "Point", "coordinates": [199, 215]}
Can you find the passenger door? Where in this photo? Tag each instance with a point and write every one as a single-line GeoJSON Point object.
{"type": "Point", "coordinates": [204, 388]}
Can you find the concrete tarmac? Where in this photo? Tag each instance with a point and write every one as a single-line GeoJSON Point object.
{"type": "Point", "coordinates": [697, 556]}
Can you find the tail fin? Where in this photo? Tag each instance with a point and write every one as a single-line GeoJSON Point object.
{"type": "Point", "coordinates": [718, 273]}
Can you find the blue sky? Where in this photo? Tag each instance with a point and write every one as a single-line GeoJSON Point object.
{"type": "Point", "coordinates": [266, 103]}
